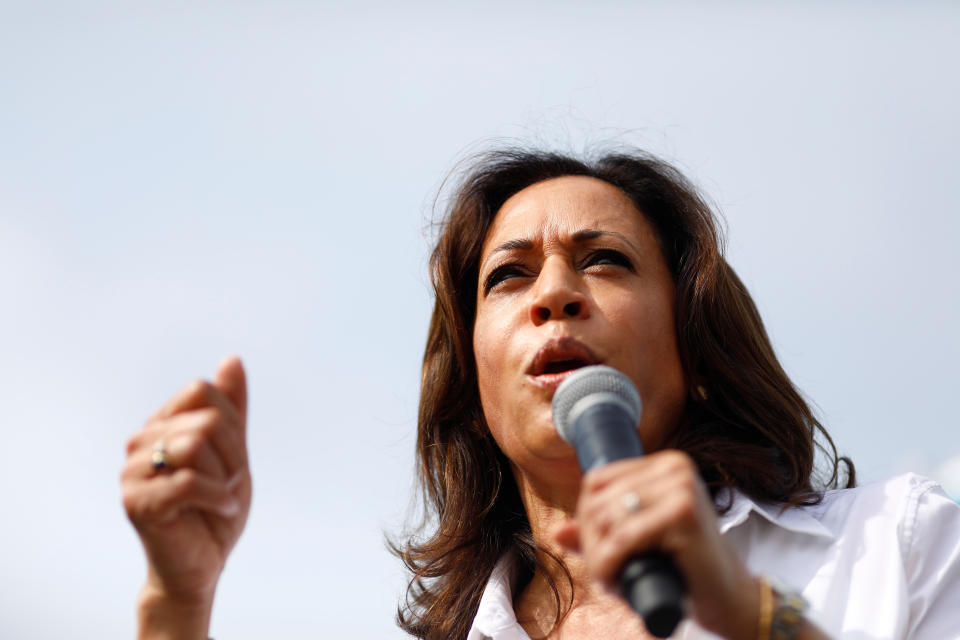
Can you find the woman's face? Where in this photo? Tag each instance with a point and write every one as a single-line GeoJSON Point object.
{"type": "Point", "coordinates": [571, 274]}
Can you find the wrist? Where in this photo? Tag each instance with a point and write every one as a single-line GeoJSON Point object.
{"type": "Point", "coordinates": [752, 611]}
{"type": "Point", "coordinates": [164, 616]}
{"type": "Point", "coordinates": [736, 616]}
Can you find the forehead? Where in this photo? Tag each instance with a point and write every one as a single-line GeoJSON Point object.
{"type": "Point", "coordinates": [560, 207]}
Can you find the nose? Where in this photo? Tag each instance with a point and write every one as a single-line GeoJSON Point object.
{"type": "Point", "coordinates": [558, 294]}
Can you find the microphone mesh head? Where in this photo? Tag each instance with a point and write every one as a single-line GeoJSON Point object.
{"type": "Point", "coordinates": [584, 382]}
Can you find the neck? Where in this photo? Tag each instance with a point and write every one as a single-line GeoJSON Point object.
{"type": "Point", "coordinates": [549, 505]}
{"type": "Point", "coordinates": [561, 589]}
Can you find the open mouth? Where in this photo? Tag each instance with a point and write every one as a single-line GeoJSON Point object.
{"type": "Point", "coordinates": [557, 358]}
{"type": "Point", "coordinates": [561, 366]}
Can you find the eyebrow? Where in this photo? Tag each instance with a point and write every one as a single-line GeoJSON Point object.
{"type": "Point", "coordinates": [525, 244]}
{"type": "Point", "coordinates": [520, 244]}
{"type": "Point", "coordinates": [592, 234]}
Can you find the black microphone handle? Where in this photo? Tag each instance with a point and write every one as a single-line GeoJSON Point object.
{"type": "Point", "coordinates": [654, 588]}
{"type": "Point", "coordinates": [650, 582]}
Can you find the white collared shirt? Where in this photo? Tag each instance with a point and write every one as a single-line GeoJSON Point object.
{"type": "Point", "coordinates": [878, 561]}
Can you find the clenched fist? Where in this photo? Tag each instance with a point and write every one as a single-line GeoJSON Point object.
{"type": "Point", "coordinates": [186, 489]}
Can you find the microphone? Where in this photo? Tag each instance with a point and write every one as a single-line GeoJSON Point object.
{"type": "Point", "coordinates": [597, 409]}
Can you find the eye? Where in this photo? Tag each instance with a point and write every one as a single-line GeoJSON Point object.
{"type": "Point", "coordinates": [607, 257]}
{"type": "Point", "coordinates": [502, 274]}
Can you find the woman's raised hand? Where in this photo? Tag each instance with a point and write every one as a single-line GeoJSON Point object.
{"type": "Point", "coordinates": [659, 503]}
{"type": "Point", "coordinates": [186, 489]}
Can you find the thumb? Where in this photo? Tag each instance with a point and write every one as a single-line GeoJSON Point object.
{"type": "Point", "coordinates": [567, 534]}
{"type": "Point", "coordinates": [231, 380]}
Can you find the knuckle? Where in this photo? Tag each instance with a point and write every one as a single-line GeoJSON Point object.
{"type": "Point", "coordinates": [199, 388]}
{"type": "Point", "coordinates": [622, 537]}
{"type": "Point", "coordinates": [138, 507]}
{"type": "Point", "coordinates": [210, 421]}
{"type": "Point", "coordinates": [187, 481]}
{"type": "Point", "coordinates": [686, 483]}
{"type": "Point", "coordinates": [603, 525]}
{"type": "Point", "coordinates": [127, 472]}
{"type": "Point", "coordinates": [129, 497]}
{"type": "Point", "coordinates": [147, 510]}
{"type": "Point", "coordinates": [679, 463]}
{"type": "Point", "coordinates": [684, 508]}
{"type": "Point", "coordinates": [593, 481]}
{"type": "Point", "coordinates": [133, 442]}
{"type": "Point", "coordinates": [188, 448]}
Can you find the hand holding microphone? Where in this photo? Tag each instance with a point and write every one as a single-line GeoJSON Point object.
{"type": "Point", "coordinates": [597, 410]}
{"type": "Point", "coordinates": [646, 523]}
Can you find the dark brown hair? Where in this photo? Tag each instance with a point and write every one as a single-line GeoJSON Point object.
{"type": "Point", "coordinates": [754, 431]}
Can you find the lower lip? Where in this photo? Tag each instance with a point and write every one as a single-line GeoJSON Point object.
{"type": "Point", "coordinates": [551, 380]}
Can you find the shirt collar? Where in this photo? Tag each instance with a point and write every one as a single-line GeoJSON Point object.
{"type": "Point", "coordinates": [495, 613]}
{"type": "Point", "coordinates": [795, 519]}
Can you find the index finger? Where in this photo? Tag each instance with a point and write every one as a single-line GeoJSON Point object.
{"type": "Point", "coordinates": [196, 395]}
{"type": "Point", "coordinates": [599, 477]}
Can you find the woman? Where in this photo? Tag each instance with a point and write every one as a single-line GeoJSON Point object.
{"type": "Point", "coordinates": [546, 264]}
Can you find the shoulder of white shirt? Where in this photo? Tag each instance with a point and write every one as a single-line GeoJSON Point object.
{"type": "Point", "coordinates": [838, 508]}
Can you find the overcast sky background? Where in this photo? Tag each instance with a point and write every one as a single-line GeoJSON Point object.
{"type": "Point", "coordinates": [180, 180]}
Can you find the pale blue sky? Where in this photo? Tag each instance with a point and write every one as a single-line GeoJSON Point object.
{"type": "Point", "coordinates": [179, 182]}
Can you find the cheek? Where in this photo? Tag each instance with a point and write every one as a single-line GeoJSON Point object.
{"type": "Point", "coordinates": [658, 372]}
{"type": "Point", "coordinates": [492, 329]}
{"type": "Point", "coordinates": [488, 354]}
{"type": "Point", "coordinates": [651, 319]}
{"type": "Point", "coordinates": [496, 333]}
{"type": "Point", "coordinates": [651, 333]}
